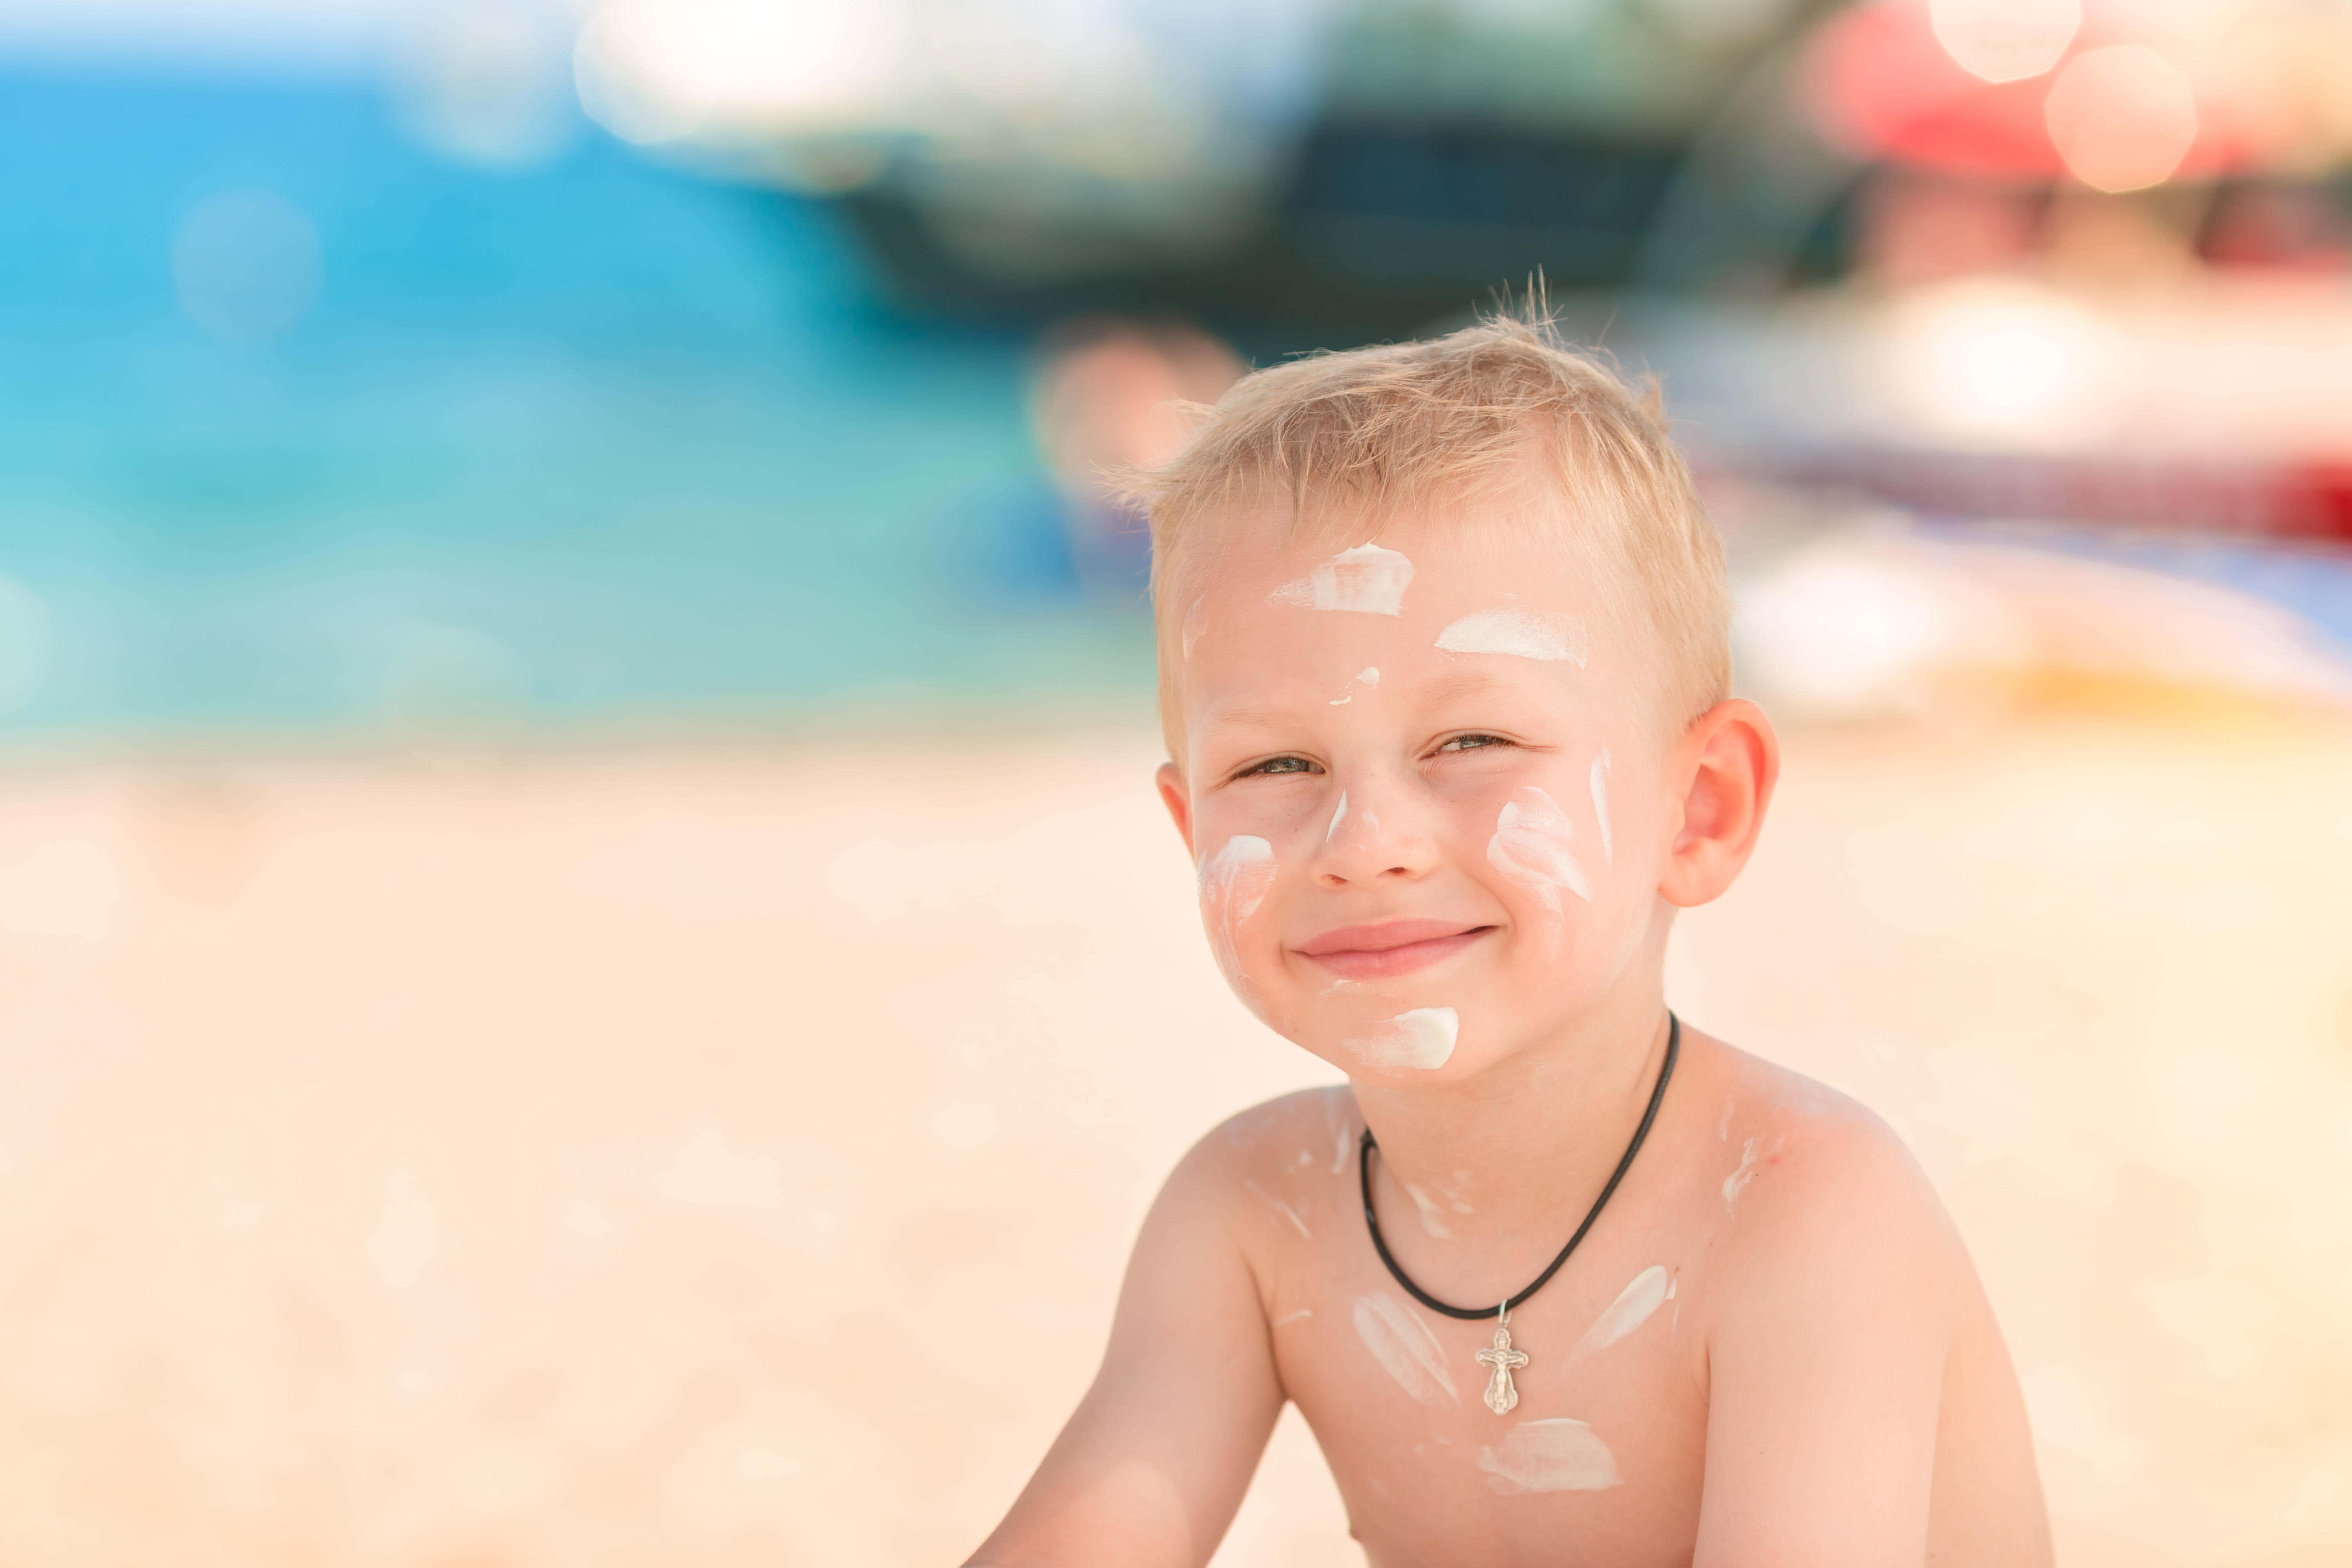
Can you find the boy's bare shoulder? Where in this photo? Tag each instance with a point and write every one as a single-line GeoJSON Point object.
{"type": "Point", "coordinates": [1306, 1128]}
{"type": "Point", "coordinates": [1853, 1365]}
{"type": "Point", "coordinates": [1277, 1170]}
{"type": "Point", "coordinates": [1817, 1187]}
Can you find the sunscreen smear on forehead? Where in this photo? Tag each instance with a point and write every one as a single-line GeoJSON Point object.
{"type": "Point", "coordinates": [1367, 581]}
{"type": "Point", "coordinates": [1520, 634]}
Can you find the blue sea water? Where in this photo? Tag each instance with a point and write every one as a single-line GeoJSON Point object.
{"type": "Point", "coordinates": [598, 442]}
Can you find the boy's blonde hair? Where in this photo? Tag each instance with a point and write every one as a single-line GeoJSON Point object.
{"type": "Point", "coordinates": [1371, 431]}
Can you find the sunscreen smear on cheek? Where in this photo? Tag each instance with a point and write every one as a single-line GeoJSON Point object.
{"type": "Point", "coordinates": [1601, 804]}
{"type": "Point", "coordinates": [1237, 879]}
{"type": "Point", "coordinates": [1531, 846]}
{"type": "Point", "coordinates": [1234, 882]}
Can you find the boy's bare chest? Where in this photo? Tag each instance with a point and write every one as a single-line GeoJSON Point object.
{"type": "Point", "coordinates": [1599, 1458]}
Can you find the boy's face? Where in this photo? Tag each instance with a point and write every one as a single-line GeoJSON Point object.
{"type": "Point", "coordinates": [1423, 785]}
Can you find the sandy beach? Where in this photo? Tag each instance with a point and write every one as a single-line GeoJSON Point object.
{"type": "Point", "coordinates": [726, 1154]}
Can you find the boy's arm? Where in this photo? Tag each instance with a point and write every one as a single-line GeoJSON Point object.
{"type": "Point", "coordinates": [1148, 1472]}
{"type": "Point", "coordinates": [1826, 1371]}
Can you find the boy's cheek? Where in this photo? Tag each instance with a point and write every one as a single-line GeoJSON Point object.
{"type": "Point", "coordinates": [1236, 872]}
{"type": "Point", "coordinates": [1279, 814]}
{"type": "Point", "coordinates": [1557, 827]}
{"type": "Point", "coordinates": [1239, 874]}
{"type": "Point", "coordinates": [1546, 844]}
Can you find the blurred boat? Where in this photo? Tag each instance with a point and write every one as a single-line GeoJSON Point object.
{"type": "Point", "coordinates": [1291, 174]}
{"type": "Point", "coordinates": [1321, 170]}
{"type": "Point", "coordinates": [1376, 229]}
{"type": "Point", "coordinates": [1309, 175]}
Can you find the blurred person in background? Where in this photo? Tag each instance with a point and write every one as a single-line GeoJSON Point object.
{"type": "Point", "coordinates": [1112, 397]}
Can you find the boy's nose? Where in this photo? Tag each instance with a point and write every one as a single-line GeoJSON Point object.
{"type": "Point", "coordinates": [1373, 832]}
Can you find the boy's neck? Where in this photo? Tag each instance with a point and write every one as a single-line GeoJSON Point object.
{"type": "Point", "coordinates": [1484, 1179]}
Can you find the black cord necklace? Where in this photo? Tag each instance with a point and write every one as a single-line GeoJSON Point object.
{"type": "Point", "coordinates": [1499, 1358]}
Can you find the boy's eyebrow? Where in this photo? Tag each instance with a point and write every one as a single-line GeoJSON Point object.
{"type": "Point", "coordinates": [1469, 681]}
{"type": "Point", "coordinates": [1248, 717]}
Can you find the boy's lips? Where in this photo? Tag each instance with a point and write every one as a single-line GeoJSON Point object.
{"type": "Point", "coordinates": [1390, 948]}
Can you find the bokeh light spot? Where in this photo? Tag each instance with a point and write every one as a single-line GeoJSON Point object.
{"type": "Point", "coordinates": [2001, 364]}
{"type": "Point", "coordinates": [247, 265]}
{"type": "Point", "coordinates": [2123, 117]}
{"type": "Point", "coordinates": [2005, 41]}
{"type": "Point", "coordinates": [65, 888]}
{"type": "Point", "coordinates": [653, 72]}
{"type": "Point", "coordinates": [486, 85]}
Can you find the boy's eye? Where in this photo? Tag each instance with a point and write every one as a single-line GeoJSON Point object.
{"type": "Point", "coordinates": [1472, 743]}
{"type": "Point", "coordinates": [1277, 766]}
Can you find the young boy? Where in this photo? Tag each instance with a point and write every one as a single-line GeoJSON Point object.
{"type": "Point", "coordinates": [1444, 678]}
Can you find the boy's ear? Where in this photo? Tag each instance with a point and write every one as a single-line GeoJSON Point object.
{"type": "Point", "coordinates": [1178, 801]}
{"type": "Point", "coordinates": [1728, 761]}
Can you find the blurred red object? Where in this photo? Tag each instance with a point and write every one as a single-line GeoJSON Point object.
{"type": "Point", "coordinates": [2307, 501]}
{"type": "Point", "coordinates": [2283, 228]}
{"type": "Point", "coordinates": [1884, 85]}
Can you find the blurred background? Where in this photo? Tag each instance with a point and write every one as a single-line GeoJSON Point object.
{"type": "Point", "coordinates": [588, 967]}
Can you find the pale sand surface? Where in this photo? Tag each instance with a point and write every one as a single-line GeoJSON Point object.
{"type": "Point", "coordinates": [729, 1155]}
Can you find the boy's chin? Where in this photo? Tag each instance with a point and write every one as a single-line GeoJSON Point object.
{"type": "Point", "coordinates": [1405, 1044]}
{"type": "Point", "coordinates": [1400, 1044]}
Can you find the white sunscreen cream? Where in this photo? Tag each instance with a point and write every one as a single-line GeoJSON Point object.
{"type": "Point", "coordinates": [1601, 804]}
{"type": "Point", "coordinates": [1278, 1207]}
{"type": "Point", "coordinates": [1531, 841]}
{"type": "Point", "coordinates": [1641, 1297]}
{"type": "Point", "coordinates": [1422, 1039]}
{"type": "Point", "coordinates": [1737, 1182]}
{"type": "Point", "coordinates": [1238, 875]}
{"type": "Point", "coordinates": [1432, 1218]}
{"type": "Point", "coordinates": [1522, 634]}
{"type": "Point", "coordinates": [1366, 581]}
{"type": "Point", "coordinates": [1559, 1455]}
{"type": "Point", "coordinates": [1234, 882]}
{"type": "Point", "coordinates": [1405, 1348]}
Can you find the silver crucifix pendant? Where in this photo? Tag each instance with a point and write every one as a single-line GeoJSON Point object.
{"type": "Point", "coordinates": [1501, 1395]}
